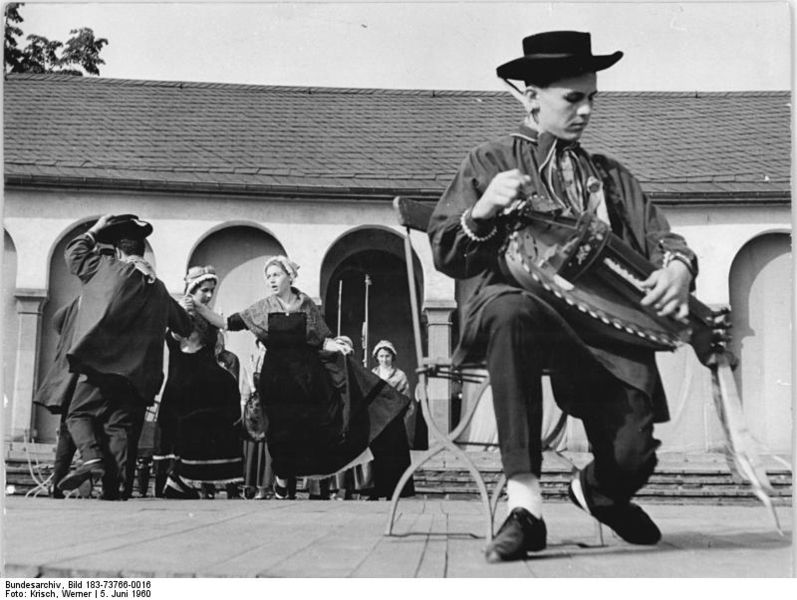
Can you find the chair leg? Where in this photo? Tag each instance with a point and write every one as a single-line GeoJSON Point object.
{"type": "Point", "coordinates": [599, 534]}
{"type": "Point", "coordinates": [444, 442]}
{"type": "Point", "coordinates": [499, 488]}
{"type": "Point", "coordinates": [405, 477]}
{"type": "Point", "coordinates": [474, 472]}
{"type": "Point", "coordinates": [477, 477]}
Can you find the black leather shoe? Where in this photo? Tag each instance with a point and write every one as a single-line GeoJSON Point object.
{"type": "Point", "coordinates": [522, 532]}
{"type": "Point", "coordinates": [280, 492]}
{"type": "Point", "coordinates": [283, 492]}
{"type": "Point", "coordinates": [627, 520]}
{"type": "Point", "coordinates": [87, 470]}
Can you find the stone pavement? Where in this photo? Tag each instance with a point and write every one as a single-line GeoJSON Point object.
{"type": "Point", "coordinates": [437, 538]}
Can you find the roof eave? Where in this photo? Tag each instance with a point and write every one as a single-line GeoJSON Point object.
{"type": "Point", "coordinates": [759, 197]}
{"type": "Point", "coordinates": [224, 189]}
{"type": "Point", "coordinates": [692, 199]}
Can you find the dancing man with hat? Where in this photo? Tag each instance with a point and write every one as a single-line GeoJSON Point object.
{"type": "Point", "coordinates": [614, 389]}
{"type": "Point", "coordinates": [116, 348]}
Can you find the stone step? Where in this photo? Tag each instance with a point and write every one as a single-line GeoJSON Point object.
{"type": "Point", "coordinates": [703, 487]}
{"type": "Point", "coordinates": [725, 489]}
{"type": "Point", "coordinates": [741, 497]}
{"type": "Point", "coordinates": [777, 479]}
{"type": "Point", "coordinates": [678, 477]}
{"type": "Point", "coordinates": [697, 477]}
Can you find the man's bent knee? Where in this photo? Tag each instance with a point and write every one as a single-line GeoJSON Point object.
{"type": "Point", "coordinates": [511, 311]}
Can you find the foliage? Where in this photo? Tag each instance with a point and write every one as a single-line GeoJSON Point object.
{"type": "Point", "coordinates": [80, 54]}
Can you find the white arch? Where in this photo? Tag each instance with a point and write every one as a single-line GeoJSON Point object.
{"type": "Point", "coordinates": [334, 246]}
{"type": "Point", "coordinates": [438, 289]}
{"type": "Point", "coordinates": [365, 227]}
{"type": "Point", "coordinates": [35, 254]}
{"type": "Point", "coordinates": [227, 225]}
{"type": "Point", "coordinates": [762, 340]}
{"type": "Point", "coordinates": [9, 331]}
{"type": "Point", "coordinates": [62, 235]}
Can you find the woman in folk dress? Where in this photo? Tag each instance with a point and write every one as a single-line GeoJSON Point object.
{"type": "Point", "coordinates": [323, 410]}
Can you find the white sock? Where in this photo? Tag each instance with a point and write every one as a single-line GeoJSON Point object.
{"type": "Point", "coordinates": [523, 491]}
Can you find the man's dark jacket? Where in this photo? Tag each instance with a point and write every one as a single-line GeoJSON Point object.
{"type": "Point", "coordinates": [633, 218]}
{"type": "Point", "coordinates": [122, 321]}
{"type": "Point", "coordinates": [57, 387]}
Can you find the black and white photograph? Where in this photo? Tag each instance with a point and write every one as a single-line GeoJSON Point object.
{"type": "Point", "coordinates": [309, 291]}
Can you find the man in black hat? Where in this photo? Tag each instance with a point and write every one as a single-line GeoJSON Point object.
{"type": "Point", "coordinates": [614, 388]}
{"type": "Point", "coordinates": [116, 348]}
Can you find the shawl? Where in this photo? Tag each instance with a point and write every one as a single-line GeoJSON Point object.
{"type": "Point", "coordinates": [397, 379]}
{"type": "Point", "coordinates": [142, 266]}
{"type": "Point", "coordinates": [256, 317]}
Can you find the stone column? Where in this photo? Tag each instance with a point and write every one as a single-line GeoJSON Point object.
{"type": "Point", "coordinates": [29, 310]}
{"type": "Point", "coordinates": [438, 330]}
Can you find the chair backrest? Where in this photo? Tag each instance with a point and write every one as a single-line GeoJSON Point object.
{"type": "Point", "coordinates": [413, 214]}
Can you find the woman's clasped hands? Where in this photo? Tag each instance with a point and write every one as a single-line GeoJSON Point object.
{"type": "Point", "coordinates": [188, 304]}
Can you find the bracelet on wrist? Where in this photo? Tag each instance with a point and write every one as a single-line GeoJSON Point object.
{"type": "Point", "coordinates": [671, 255]}
{"type": "Point", "coordinates": [463, 222]}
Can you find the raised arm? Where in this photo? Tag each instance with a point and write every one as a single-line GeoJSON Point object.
{"type": "Point", "coordinates": [81, 258]}
{"type": "Point", "coordinates": [203, 311]}
{"type": "Point", "coordinates": [179, 320]}
{"type": "Point", "coordinates": [462, 231]}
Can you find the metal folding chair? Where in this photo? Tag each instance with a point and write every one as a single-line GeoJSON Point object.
{"type": "Point", "coordinates": [415, 216]}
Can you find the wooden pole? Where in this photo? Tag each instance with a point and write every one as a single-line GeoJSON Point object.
{"type": "Point", "coordinates": [340, 302]}
{"type": "Point", "coordinates": [365, 322]}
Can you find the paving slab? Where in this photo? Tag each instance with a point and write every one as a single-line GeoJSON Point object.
{"type": "Point", "coordinates": [434, 538]}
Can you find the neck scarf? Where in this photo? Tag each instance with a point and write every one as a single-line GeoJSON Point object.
{"type": "Point", "coordinates": [141, 265]}
{"type": "Point", "coordinates": [567, 173]}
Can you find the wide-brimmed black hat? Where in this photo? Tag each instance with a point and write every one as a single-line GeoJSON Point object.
{"type": "Point", "coordinates": [553, 55]}
{"type": "Point", "coordinates": [121, 227]}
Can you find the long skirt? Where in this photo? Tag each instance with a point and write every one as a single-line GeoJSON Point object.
{"type": "Point", "coordinates": [202, 404]}
{"type": "Point", "coordinates": [209, 453]}
{"type": "Point", "coordinates": [324, 410]}
{"type": "Point", "coordinates": [311, 429]}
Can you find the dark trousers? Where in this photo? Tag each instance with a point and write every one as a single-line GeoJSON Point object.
{"type": "Point", "coordinates": [524, 337]}
{"type": "Point", "coordinates": [64, 451]}
{"type": "Point", "coordinates": [133, 438]}
{"type": "Point", "coordinates": [103, 419]}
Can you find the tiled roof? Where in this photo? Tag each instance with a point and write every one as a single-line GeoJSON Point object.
{"type": "Point", "coordinates": [260, 138]}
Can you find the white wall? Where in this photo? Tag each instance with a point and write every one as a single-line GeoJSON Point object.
{"type": "Point", "coordinates": [717, 233]}
{"type": "Point", "coordinates": [36, 220]}
{"type": "Point", "coordinates": [306, 229]}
